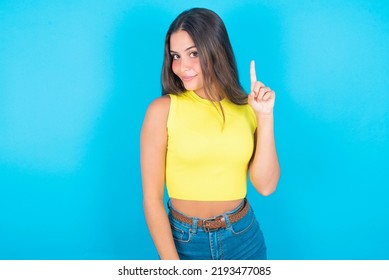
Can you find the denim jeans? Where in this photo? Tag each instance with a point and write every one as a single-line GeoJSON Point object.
{"type": "Point", "coordinates": [242, 240]}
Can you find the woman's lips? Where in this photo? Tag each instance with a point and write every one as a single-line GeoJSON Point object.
{"type": "Point", "coordinates": [187, 78]}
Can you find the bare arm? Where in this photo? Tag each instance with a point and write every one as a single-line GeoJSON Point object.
{"type": "Point", "coordinates": [153, 156]}
{"type": "Point", "coordinates": [264, 166]}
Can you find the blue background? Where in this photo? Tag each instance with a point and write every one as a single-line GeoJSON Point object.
{"type": "Point", "coordinates": [77, 77]}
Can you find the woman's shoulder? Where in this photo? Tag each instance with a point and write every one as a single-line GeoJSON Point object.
{"type": "Point", "coordinates": [158, 110]}
{"type": "Point", "coordinates": [160, 104]}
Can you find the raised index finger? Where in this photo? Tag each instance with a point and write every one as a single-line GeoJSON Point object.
{"type": "Point", "coordinates": [253, 75]}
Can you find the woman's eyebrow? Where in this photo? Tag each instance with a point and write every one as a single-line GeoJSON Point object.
{"type": "Point", "coordinates": [185, 49]}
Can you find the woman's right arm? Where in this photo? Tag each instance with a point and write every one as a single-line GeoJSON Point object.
{"type": "Point", "coordinates": [153, 157]}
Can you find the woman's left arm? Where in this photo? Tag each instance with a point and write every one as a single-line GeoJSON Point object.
{"type": "Point", "coordinates": [264, 167]}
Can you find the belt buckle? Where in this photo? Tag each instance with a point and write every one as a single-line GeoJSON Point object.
{"type": "Point", "coordinates": [206, 223]}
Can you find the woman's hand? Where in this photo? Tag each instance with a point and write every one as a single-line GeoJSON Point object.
{"type": "Point", "coordinates": [261, 97]}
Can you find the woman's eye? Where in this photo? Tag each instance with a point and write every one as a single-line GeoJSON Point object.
{"type": "Point", "coordinates": [175, 56]}
{"type": "Point", "coordinates": [194, 54]}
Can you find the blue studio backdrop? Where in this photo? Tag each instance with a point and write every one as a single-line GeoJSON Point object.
{"type": "Point", "coordinates": [76, 78]}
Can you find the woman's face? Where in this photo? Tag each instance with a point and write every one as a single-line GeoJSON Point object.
{"type": "Point", "coordinates": [186, 62]}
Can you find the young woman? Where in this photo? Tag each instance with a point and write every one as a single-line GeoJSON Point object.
{"type": "Point", "coordinates": [201, 139]}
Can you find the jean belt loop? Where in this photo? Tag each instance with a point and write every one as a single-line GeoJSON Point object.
{"type": "Point", "coordinates": [228, 223]}
{"type": "Point", "coordinates": [194, 225]}
{"type": "Point", "coordinates": [168, 204]}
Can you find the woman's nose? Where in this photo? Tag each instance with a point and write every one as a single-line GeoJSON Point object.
{"type": "Point", "coordinates": [185, 64]}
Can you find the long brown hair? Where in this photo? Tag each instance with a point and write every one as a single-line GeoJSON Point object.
{"type": "Point", "coordinates": [217, 59]}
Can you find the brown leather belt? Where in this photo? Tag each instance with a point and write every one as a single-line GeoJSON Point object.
{"type": "Point", "coordinates": [213, 223]}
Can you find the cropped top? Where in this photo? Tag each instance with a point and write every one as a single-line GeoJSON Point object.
{"type": "Point", "coordinates": [206, 161]}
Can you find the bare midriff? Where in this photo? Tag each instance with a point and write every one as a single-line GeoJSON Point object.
{"type": "Point", "coordinates": [204, 209]}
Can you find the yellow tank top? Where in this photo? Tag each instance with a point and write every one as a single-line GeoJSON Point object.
{"type": "Point", "coordinates": [206, 161]}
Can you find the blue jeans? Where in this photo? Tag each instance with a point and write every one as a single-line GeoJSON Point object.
{"type": "Point", "coordinates": [242, 240]}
